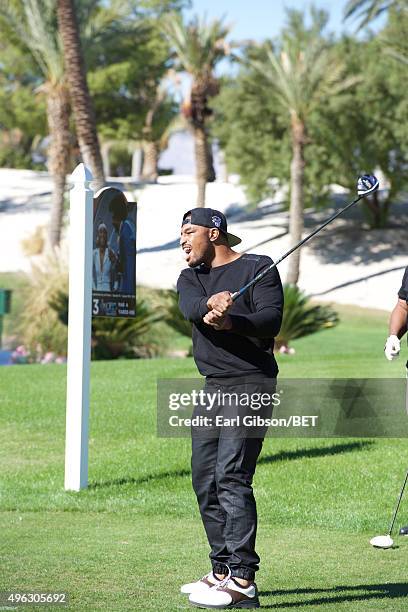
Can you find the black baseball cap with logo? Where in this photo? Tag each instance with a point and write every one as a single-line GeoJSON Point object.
{"type": "Point", "coordinates": [209, 217]}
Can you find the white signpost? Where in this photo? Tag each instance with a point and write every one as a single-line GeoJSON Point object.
{"type": "Point", "coordinates": [79, 330]}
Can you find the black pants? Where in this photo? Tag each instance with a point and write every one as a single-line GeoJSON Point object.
{"type": "Point", "coordinates": [223, 465]}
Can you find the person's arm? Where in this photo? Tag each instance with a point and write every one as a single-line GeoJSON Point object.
{"type": "Point", "coordinates": [192, 300]}
{"type": "Point", "coordinates": [266, 321]}
{"type": "Point", "coordinates": [398, 319]}
{"type": "Point", "coordinates": [398, 322]}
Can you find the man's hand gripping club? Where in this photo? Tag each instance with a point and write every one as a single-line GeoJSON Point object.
{"type": "Point", "coordinates": [218, 305]}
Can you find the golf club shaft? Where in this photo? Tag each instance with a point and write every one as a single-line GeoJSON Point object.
{"type": "Point", "coordinates": [292, 249]}
{"type": "Point", "coordinates": [398, 503]}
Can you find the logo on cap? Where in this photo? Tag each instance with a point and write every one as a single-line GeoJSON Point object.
{"type": "Point", "coordinates": [216, 220]}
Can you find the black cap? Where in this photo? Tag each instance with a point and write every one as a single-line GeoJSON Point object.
{"type": "Point", "coordinates": [209, 217]}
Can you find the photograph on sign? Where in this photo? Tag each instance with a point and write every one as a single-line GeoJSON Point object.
{"type": "Point", "coordinates": [114, 255]}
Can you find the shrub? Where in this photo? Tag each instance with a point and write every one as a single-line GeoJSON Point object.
{"type": "Point", "coordinates": [35, 243]}
{"type": "Point", "coordinates": [113, 338]}
{"type": "Point", "coordinates": [44, 321]}
{"type": "Point", "coordinates": [128, 338]}
{"type": "Point", "coordinates": [14, 156]}
{"type": "Point", "coordinates": [301, 318]}
{"type": "Point", "coordinates": [174, 318]}
{"type": "Point", "coordinates": [40, 328]}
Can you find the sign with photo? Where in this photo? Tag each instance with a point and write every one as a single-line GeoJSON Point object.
{"type": "Point", "coordinates": [114, 255]}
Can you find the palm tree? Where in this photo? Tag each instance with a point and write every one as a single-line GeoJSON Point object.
{"type": "Point", "coordinates": [31, 23]}
{"type": "Point", "coordinates": [301, 74]}
{"type": "Point", "coordinates": [198, 46]}
{"type": "Point", "coordinates": [81, 100]}
{"type": "Point", "coordinates": [150, 142]}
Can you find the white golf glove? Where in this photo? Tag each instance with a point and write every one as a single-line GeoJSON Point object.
{"type": "Point", "coordinates": [392, 347]}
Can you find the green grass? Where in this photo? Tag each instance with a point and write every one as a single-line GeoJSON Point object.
{"type": "Point", "coordinates": [354, 348]}
{"type": "Point", "coordinates": [134, 535]}
{"type": "Point", "coordinates": [111, 562]}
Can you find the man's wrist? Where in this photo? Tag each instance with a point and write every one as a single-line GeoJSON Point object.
{"type": "Point", "coordinates": [227, 325]}
{"type": "Point", "coordinates": [203, 307]}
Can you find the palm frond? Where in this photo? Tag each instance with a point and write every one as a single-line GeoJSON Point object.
{"type": "Point", "coordinates": [301, 73]}
{"type": "Point", "coordinates": [198, 45]}
{"type": "Point", "coordinates": [99, 24]}
{"type": "Point", "coordinates": [301, 318]}
{"type": "Point", "coordinates": [367, 10]}
{"type": "Point", "coordinates": [35, 23]}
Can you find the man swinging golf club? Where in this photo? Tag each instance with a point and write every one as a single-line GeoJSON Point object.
{"type": "Point", "coordinates": [233, 349]}
{"type": "Point", "coordinates": [233, 332]}
{"type": "Point", "coordinates": [397, 328]}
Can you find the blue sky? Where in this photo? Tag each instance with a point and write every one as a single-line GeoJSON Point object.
{"type": "Point", "coordinates": [259, 19]}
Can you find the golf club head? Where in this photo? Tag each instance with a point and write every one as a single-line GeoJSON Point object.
{"type": "Point", "coordinates": [367, 184]}
{"type": "Point", "coordinates": [382, 541]}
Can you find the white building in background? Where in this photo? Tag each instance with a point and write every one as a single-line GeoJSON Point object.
{"type": "Point", "coordinates": [179, 155]}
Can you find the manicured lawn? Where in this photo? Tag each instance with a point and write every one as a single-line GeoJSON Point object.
{"type": "Point", "coordinates": [354, 348]}
{"type": "Point", "coordinates": [107, 561]}
{"type": "Point", "coordinates": [134, 535]}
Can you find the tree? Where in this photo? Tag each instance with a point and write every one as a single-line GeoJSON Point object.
{"type": "Point", "coordinates": [31, 24]}
{"type": "Point", "coordinates": [159, 120]}
{"type": "Point", "coordinates": [300, 74]}
{"type": "Point", "coordinates": [199, 46]}
{"type": "Point", "coordinates": [365, 129]}
{"type": "Point", "coordinates": [394, 39]}
{"type": "Point", "coordinates": [22, 113]}
{"type": "Point", "coordinates": [78, 87]}
{"type": "Point", "coordinates": [359, 131]}
{"type": "Point", "coordinates": [126, 74]}
{"type": "Point", "coordinates": [251, 130]}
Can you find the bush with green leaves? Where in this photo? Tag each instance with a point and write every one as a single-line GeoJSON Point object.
{"type": "Point", "coordinates": [301, 317]}
{"type": "Point", "coordinates": [174, 318]}
{"type": "Point", "coordinates": [116, 338]}
{"type": "Point", "coordinates": [43, 325]}
{"type": "Point", "coordinates": [125, 338]}
{"type": "Point", "coordinates": [40, 329]}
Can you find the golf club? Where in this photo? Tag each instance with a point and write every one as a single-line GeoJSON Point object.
{"type": "Point", "coordinates": [366, 184]}
{"type": "Point", "coordinates": [387, 541]}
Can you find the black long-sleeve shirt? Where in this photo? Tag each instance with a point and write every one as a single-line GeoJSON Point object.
{"type": "Point", "coordinates": [256, 316]}
{"type": "Point", "coordinates": [403, 292]}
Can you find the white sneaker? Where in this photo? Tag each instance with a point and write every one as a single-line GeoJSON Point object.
{"type": "Point", "coordinates": [228, 594]}
{"type": "Point", "coordinates": [206, 582]}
